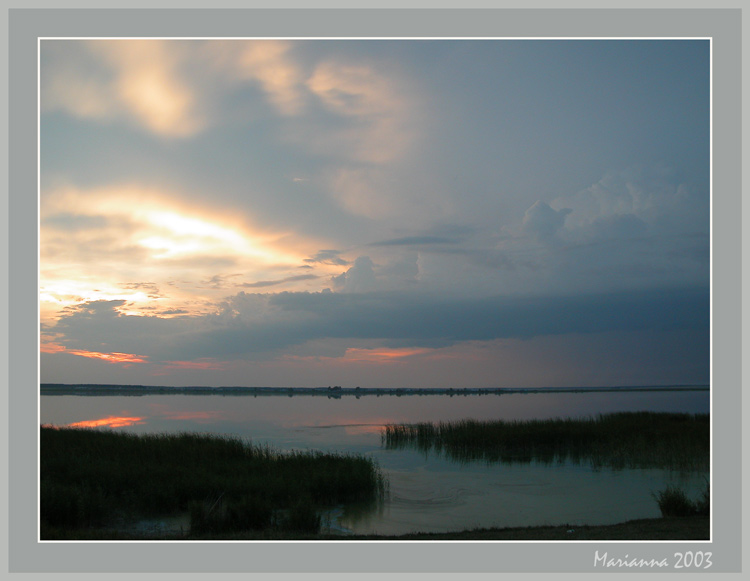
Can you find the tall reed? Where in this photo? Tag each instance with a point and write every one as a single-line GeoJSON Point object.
{"type": "Point", "coordinates": [90, 477]}
{"type": "Point", "coordinates": [617, 440]}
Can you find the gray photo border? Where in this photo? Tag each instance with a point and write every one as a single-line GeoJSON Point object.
{"type": "Point", "coordinates": [26, 554]}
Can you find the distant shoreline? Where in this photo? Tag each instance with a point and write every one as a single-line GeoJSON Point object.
{"type": "Point", "coordinates": [335, 392]}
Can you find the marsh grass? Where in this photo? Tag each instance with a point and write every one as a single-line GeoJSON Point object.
{"type": "Point", "coordinates": [674, 501]}
{"type": "Point", "coordinates": [89, 478]}
{"type": "Point", "coordinates": [617, 440]}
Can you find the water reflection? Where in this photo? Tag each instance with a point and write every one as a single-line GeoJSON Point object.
{"type": "Point", "coordinates": [616, 440]}
{"type": "Point", "coordinates": [428, 491]}
{"type": "Point", "coordinates": [108, 422]}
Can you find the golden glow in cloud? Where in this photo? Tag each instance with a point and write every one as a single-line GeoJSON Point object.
{"type": "Point", "coordinates": [384, 355]}
{"type": "Point", "coordinates": [384, 128]}
{"type": "Point", "coordinates": [148, 85]}
{"type": "Point", "coordinates": [267, 61]}
{"type": "Point", "coordinates": [158, 254]}
{"type": "Point", "coordinates": [380, 355]}
{"type": "Point", "coordinates": [143, 82]}
{"type": "Point", "coordinates": [156, 220]}
{"type": "Point", "coordinates": [192, 235]}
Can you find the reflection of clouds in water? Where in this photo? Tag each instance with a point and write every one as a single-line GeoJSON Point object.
{"type": "Point", "coordinates": [197, 416]}
{"type": "Point", "coordinates": [427, 492]}
{"type": "Point", "coordinates": [108, 422]}
{"type": "Point", "coordinates": [165, 411]}
{"type": "Point", "coordinates": [355, 429]}
{"type": "Point", "coordinates": [349, 429]}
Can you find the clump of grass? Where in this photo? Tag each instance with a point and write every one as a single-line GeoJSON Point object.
{"type": "Point", "coordinates": [90, 477]}
{"type": "Point", "coordinates": [618, 440]}
{"type": "Point", "coordinates": [674, 501]}
{"type": "Point", "coordinates": [703, 504]}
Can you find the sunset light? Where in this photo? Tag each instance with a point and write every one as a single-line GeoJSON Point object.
{"type": "Point", "coordinates": [109, 357]}
{"type": "Point", "coordinates": [290, 212]}
{"type": "Point", "coordinates": [377, 289]}
{"type": "Point", "coordinates": [109, 422]}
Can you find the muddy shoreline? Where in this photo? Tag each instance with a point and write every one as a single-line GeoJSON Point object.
{"type": "Point", "coordinates": [666, 529]}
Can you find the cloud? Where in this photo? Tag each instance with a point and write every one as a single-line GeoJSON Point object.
{"type": "Point", "coordinates": [359, 278]}
{"type": "Point", "coordinates": [652, 194]}
{"type": "Point", "coordinates": [378, 128]}
{"type": "Point", "coordinates": [328, 257]}
{"type": "Point", "coordinates": [117, 78]}
{"type": "Point", "coordinates": [415, 241]}
{"type": "Point", "coordinates": [635, 229]}
{"type": "Point", "coordinates": [74, 80]}
{"type": "Point", "coordinates": [267, 283]}
{"type": "Point", "coordinates": [362, 192]}
{"type": "Point", "coordinates": [248, 325]}
{"type": "Point", "coordinates": [132, 226]}
{"type": "Point", "coordinates": [396, 272]}
{"type": "Point", "coordinates": [148, 84]}
{"type": "Point", "coordinates": [360, 119]}
{"type": "Point", "coordinates": [267, 62]}
{"type": "Point", "coordinates": [149, 287]}
{"type": "Point", "coordinates": [174, 89]}
{"type": "Point", "coordinates": [616, 226]}
{"type": "Point", "coordinates": [543, 222]}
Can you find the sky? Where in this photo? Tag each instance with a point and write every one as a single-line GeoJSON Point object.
{"type": "Point", "coordinates": [375, 213]}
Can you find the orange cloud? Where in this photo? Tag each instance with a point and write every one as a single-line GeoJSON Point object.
{"type": "Point", "coordinates": [357, 429]}
{"type": "Point", "coordinates": [381, 355]}
{"type": "Point", "coordinates": [51, 348]}
{"type": "Point", "coordinates": [113, 357]}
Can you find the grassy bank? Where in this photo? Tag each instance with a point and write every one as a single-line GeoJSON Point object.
{"type": "Point", "coordinates": [618, 440]}
{"type": "Point", "coordinates": [92, 478]}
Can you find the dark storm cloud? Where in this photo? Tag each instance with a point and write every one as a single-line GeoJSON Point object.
{"type": "Point", "coordinates": [99, 326]}
{"type": "Point", "coordinates": [254, 323]}
{"type": "Point", "coordinates": [404, 317]}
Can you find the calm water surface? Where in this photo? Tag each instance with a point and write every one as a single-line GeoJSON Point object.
{"type": "Point", "coordinates": [427, 492]}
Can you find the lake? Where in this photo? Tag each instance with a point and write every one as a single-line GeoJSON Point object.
{"type": "Point", "coordinates": [428, 492]}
